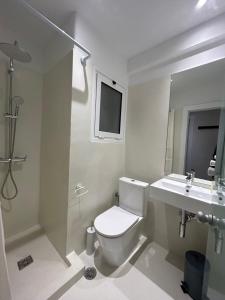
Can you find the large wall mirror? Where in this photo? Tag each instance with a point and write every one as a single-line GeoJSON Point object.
{"type": "Point", "coordinates": [195, 121]}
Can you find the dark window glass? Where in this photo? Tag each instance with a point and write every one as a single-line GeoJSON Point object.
{"type": "Point", "coordinates": [110, 109]}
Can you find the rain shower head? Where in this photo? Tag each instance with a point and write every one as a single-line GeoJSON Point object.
{"type": "Point", "coordinates": [13, 51]}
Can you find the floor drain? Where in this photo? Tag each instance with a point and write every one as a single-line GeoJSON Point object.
{"type": "Point", "coordinates": [90, 273]}
{"type": "Point", "coordinates": [23, 263]}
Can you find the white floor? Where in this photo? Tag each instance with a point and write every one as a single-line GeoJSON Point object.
{"type": "Point", "coordinates": [151, 276]}
{"type": "Point", "coordinates": [45, 275]}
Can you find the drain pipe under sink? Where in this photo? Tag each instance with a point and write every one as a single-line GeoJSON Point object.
{"type": "Point", "coordinates": [185, 217]}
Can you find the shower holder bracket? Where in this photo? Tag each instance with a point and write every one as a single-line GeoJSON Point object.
{"type": "Point", "coordinates": [14, 159]}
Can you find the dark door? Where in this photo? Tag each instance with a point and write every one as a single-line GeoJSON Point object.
{"type": "Point", "coordinates": [202, 138]}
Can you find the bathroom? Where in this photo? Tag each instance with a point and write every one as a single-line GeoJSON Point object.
{"type": "Point", "coordinates": [71, 171]}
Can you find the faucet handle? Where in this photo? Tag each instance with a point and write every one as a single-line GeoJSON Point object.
{"type": "Point", "coordinates": [189, 175]}
{"type": "Point", "coordinates": [193, 173]}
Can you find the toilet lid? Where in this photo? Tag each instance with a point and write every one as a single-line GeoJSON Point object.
{"type": "Point", "coordinates": [114, 222]}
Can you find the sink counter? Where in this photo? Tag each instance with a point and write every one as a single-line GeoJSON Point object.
{"type": "Point", "coordinates": [174, 193]}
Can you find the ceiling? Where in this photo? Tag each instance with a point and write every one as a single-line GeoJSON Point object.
{"type": "Point", "coordinates": [128, 26]}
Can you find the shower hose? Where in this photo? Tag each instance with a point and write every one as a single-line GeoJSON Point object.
{"type": "Point", "coordinates": [13, 52]}
{"type": "Point", "coordinates": [9, 173]}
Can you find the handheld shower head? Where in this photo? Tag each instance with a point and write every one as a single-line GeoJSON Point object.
{"type": "Point", "coordinates": [18, 100]}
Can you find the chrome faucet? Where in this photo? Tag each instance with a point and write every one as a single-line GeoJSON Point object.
{"type": "Point", "coordinates": [189, 180]}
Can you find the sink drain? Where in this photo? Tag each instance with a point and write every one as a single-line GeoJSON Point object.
{"type": "Point", "coordinates": [90, 273]}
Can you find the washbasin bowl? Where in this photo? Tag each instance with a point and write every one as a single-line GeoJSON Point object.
{"type": "Point", "coordinates": [174, 193]}
{"type": "Point", "coordinates": [178, 187]}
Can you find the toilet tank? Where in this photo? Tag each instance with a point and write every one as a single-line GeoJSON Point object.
{"type": "Point", "coordinates": [133, 195]}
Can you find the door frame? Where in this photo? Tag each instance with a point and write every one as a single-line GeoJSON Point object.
{"type": "Point", "coordinates": [185, 117]}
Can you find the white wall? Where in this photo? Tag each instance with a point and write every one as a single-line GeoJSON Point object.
{"type": "Point", "coordinates": [22, 212]}
{"type": "Point", "coordinates": [147, 116]}
{"type": "Point", "coordinates": [59, 46]}
{"type": "Point", "coordinates": [55, 148]}
{"type": "Point", "coordinates": [96, 165]}
{"type": "Point", "coordinates": [103, 57]}
{"type": "Point", "coordinates": [148, 106]}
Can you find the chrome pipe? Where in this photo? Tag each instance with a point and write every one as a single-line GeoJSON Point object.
{"type": "Point", "coordinates": [10, 112]}
{"type": "Point", "coordinates": [182, 227]}
{"type": "Point", "coordinates": [218, 241]}
{"type": "Point", "coordinates": [11, 142]}
{"type": "Point", "coordinates": [186, 217]}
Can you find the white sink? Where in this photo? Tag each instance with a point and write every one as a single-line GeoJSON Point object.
{"type": "Point", "coordinates": [174, 193]}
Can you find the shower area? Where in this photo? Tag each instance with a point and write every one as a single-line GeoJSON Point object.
{"type": "Point", "coordinates": [53, 180]}
{"type": "Point", "coordinates": [29, 250]}
{"type": "Point", "coordinates": [11, 115]}
{"type": "Point", "coordinates": [35, 123]}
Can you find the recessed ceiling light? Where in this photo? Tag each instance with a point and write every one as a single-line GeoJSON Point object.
{"type": "Point", "coordinates": [200, 3]}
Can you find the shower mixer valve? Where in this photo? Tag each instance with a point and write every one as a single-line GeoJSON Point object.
{"type": "Point", "coordinates": [15, 159]}
{"type": "Point", "coordinates": [17, 101]}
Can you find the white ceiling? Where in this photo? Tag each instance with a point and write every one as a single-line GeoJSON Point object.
{"type": "Point", "coordinates": [129, 26]}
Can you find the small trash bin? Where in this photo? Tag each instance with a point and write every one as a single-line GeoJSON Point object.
{"type": "Point", "coordinates": [196, 271]}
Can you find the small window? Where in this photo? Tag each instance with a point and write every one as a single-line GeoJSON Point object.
{"type": "Point", "coordinates": [110, 108]}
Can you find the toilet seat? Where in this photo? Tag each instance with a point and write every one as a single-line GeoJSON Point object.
{"type": "Point", "coordinates": [114, 222]}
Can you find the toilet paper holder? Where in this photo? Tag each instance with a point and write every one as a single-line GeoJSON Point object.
{"type": "Point", "coordinates": [80, 190]}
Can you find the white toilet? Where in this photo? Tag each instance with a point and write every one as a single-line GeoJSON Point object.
{"type": "Point", "coordinates": [118, 228]}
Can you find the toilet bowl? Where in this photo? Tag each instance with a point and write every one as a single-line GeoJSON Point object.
{"type": "Point", "coordinates": [117, 231]}
{"type": "Point", "coordinates": [118, 228]}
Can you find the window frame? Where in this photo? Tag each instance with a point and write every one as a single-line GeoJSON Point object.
{"type": "Point", "coordinates": [97, 132]}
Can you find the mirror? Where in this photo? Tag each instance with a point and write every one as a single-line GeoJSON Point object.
{"type": "Point", "coordinates": [195, 121]}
